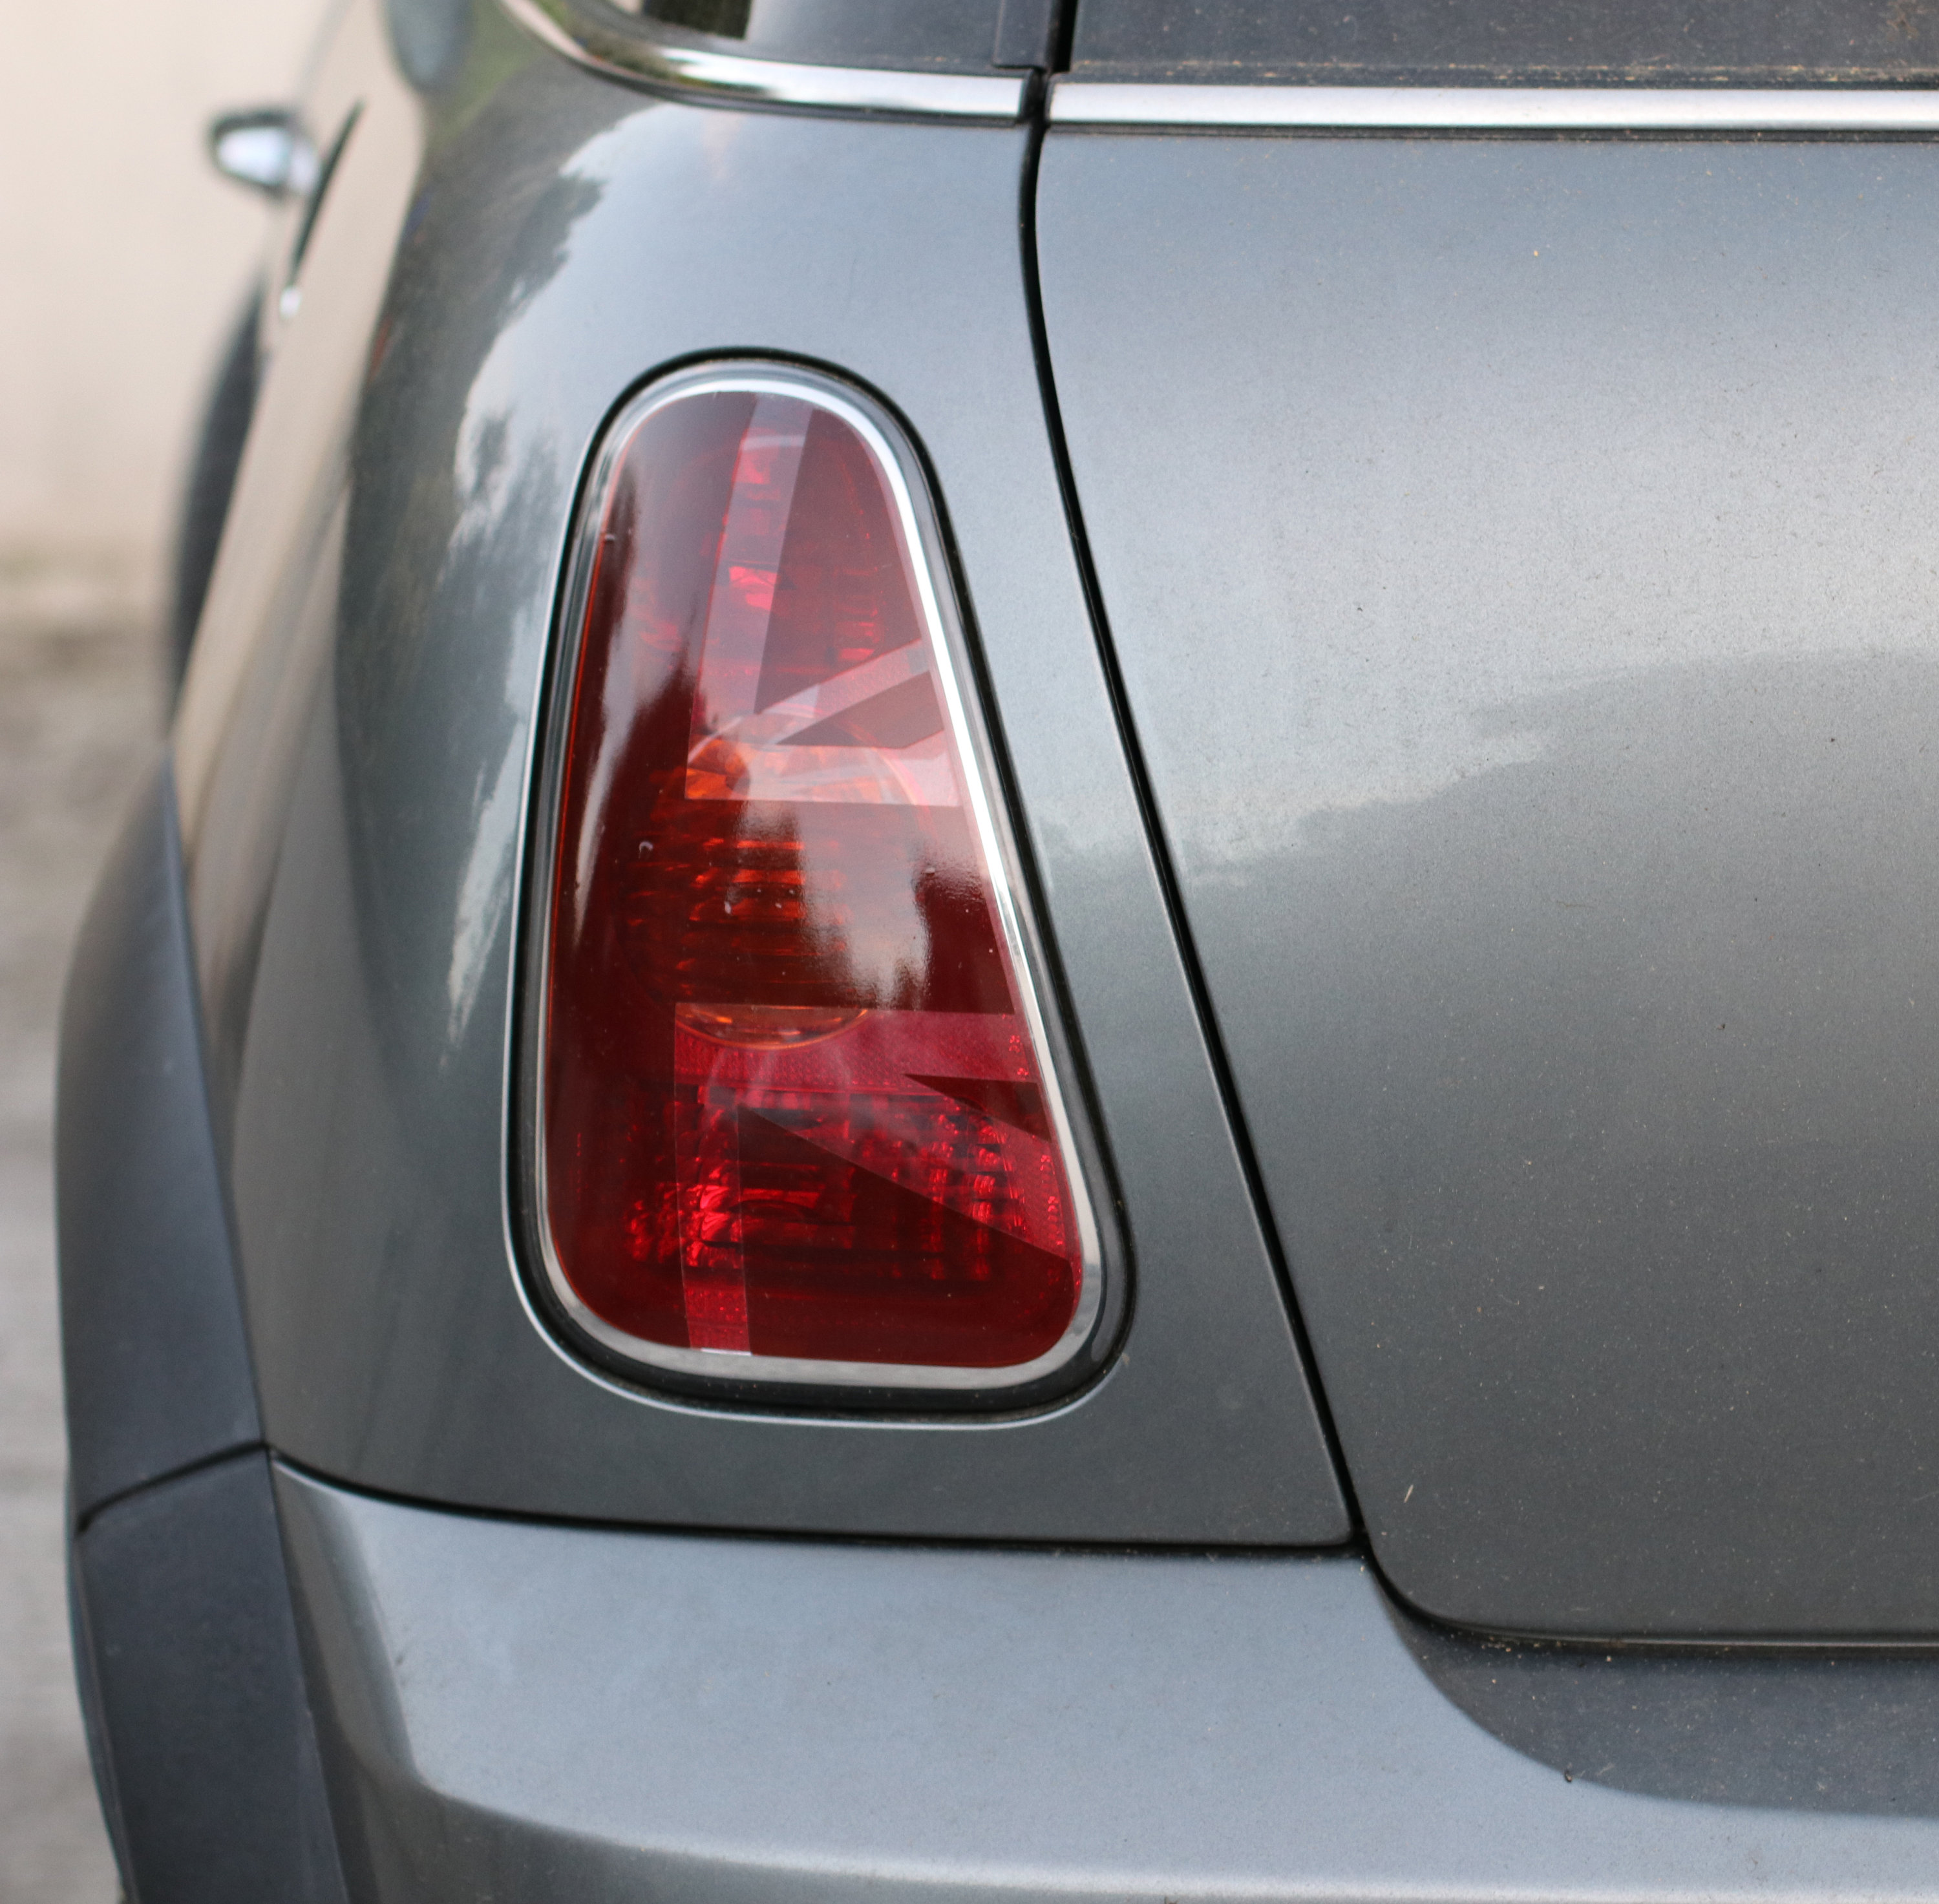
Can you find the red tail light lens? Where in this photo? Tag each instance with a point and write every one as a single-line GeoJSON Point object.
{"type": "Point", "coordinates": [797, 1114]}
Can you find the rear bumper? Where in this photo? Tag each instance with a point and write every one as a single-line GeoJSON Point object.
{"type": "Point", "coordinates": [524, 1711]}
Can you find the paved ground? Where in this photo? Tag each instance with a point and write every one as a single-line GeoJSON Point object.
{"type": "Point", "coordinates": [78, 713]}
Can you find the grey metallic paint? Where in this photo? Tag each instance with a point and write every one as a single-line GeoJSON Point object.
{"type": "Point", "coordinates": [1531, 620]}
{"type": "Point", "coordinates": [523, 1711]}
{"type": "Point", "coordinates": [261, 646]}
{"type": "Point", "coordinates": [565, 239]}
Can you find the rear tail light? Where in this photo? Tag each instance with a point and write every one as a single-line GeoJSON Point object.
{"type": "Point", "coordinates": [796, 1115]}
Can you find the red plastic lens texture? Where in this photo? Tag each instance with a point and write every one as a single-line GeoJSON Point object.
{"type": "Point", "coordinates": [792, 1106]}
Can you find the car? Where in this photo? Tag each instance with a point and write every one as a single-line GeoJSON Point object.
{"type": "Point", "coordinates": [1034, 996]}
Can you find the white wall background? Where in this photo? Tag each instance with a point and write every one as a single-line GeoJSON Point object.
{"type": "Point", "coordinates": [121, 252]}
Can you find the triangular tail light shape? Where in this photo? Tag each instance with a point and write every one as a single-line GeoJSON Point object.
{"type": "Point", "coordinates": [796, 1113]}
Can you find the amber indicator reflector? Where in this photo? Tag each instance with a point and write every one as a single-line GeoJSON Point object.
{"type": "Point", "coordinates": [796, 1111]}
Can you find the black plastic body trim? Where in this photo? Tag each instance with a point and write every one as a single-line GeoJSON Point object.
{"type": "Point", "coordinates": [186, 1652]}
{"type": "Point", "coordinates": [157, 1368]}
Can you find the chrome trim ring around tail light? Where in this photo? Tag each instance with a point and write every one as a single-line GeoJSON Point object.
{"type": "Point", "coordinates": [773, 750]}
{"type": "Point", "coordinates": [1107, 104]}
{"type": "Point", "coordinates": [640, 57]}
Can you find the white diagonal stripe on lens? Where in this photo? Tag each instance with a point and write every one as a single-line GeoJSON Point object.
{"type": "Point", "coordinates": [775, 726]}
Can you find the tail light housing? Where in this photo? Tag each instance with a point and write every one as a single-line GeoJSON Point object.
{"type": "Point", "coordinates": [797, 1110]}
